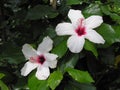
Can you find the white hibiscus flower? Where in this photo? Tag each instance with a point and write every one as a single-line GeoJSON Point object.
{"type": "Point", "coordinates": [40, 59]}
{"type": "Point", "coordinates": [79, 29]}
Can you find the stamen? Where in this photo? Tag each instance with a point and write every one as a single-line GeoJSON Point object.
{"type": "Point", "coordinates": [81, 28]}
{"type": "Point", "coordinates": [41, 59]}
{"type": "Point", "coordinates": [37, 59]}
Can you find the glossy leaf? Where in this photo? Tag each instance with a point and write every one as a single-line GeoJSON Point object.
{"type": "Point", "coordinates": [80, 76]}
{"type": "Point", "coordinates": [92, 9]}
{"type": "Point", "coordinates": [55, 79]}
{"type": "Point", "coordinates": [70, 62]}
{"type": "Point", "coordinates": [35, 84]}
{"type": "Point", "coordinates": [90, 47]}
{"type": "Point", "coordinates": [108, 33]}
{"type": "Point", "coordinates": [60, 49]}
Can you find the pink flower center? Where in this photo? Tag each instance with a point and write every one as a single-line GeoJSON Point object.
{"type": "Point", "coordinates": [38, 59]}
{"type": "Point", "coordinates": [80, 30]}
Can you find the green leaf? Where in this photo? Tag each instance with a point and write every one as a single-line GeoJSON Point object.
{"type": "Point", "coordinates": [74, 2]}
{"type": "Point", "coordinates": [70, 62]}
{"type": "Point", "coordinates": [90, 47]}
{"type": "Point", "coordinates": [80, 76]}
{"type": "Point", "coordinates": [55, 79]}
{"type": "Point", "coordinates": [60, 49]}
{"type": "Point", "coordinates": [105, 9]}
{"type": "Point", "coordinates": [117, 32]}
{"type": "Point", "coordinates": [109, 34]}
{"type": "Point", "coordinates": [72, 85]}
{"type": "Point", "coordinates": [92, 9]}
{"type": "Point", "coordinates": [41, 12]}
{"type": "Point", "coordinates": [3, 86]}
{"type": "Point", "coordinates": [35, 84]}
{"type": "Point", "coordinates": [115, 17]}
{"type": "Point", "coordinates": [1, 75]}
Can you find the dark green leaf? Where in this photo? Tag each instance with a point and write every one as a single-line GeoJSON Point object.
{"type": "Point", "coordinates": [80, 76]}
{"type": "Point", "coordinates": [105, 9]}
{"type": "Point", "coordinates": [109, 34]}
{"type": "Point", "coordinates": [60, 49]}
{"type": "Point", "coordinates": [12, 54]}
{"type": "Point", "coordinates": [41, 12]}
{"type": "Point", "coordinates": [50, 31]}
{"type": "Point", "coordinates": [69, 62]}
{"type": "Point", "coordinates": [92, 9]}
{"type": "Point", "coordinates": [55, 79]}
{"type": "Point", "coordinates": [117, 32]}
{"type": "Point", "coordinates": [115, 17]}
{"type": "Point", "coordinates": [72, 85]}
{"type": "Point", "coordinates": [73, 2]}
{"type": "Point", "coordinates": [90, 47]}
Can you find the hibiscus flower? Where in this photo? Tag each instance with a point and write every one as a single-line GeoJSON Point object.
{"type": "Point", "coordinates": [80, 29]}
{"type": "Point", "coordinates": [40, 59]}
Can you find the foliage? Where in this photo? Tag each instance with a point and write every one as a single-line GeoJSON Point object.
{"type": "Point", "coordinates": [28, 21]}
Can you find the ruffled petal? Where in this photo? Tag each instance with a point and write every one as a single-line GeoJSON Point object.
{"type": "Point", "coordinates": [46, 45]}
{"type": "Point", "coordinates": [50, 57]}
{"type": "Point", "coordinates": [75, 43]}
{"type": "Point", "coordinates": [75, 15]}
{"type": "Point", "coordinates": [28, 51]}
{"type": "Point", "coordinates": [42, 73]}
{"type": "Point", "coordinates": [93, 21]}
{"type": "Point", "coordinates": [93, 36]}
{"type": "Point", "coordinates": [64, 29]}
{"type": "Point", "coordinates": [28, 67]}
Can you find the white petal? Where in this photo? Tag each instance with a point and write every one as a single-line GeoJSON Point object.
{"type": "Point", "coordinates": [65, 29]}
{"type": "Point", "coordinates": [28, 67]}
{"type": "Point", "coordinates": [46, 45]}
{"type": "Point", "coordinates": [93, 36]}
{"type": "Point", "coordinates": [75, 43]}
{"type": "Point", "coordinates": [28, 51]}
{"type": "Point", "coordinates": [50, 57]}
{"type": "Point", "coordinates": [75, 15]}
{"type": "Point", "coordinates": [42, 73]}
{"type": "Point", "coordinates": [53, 64]}
{"type": "Point", "coordinates": [93, 21]}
